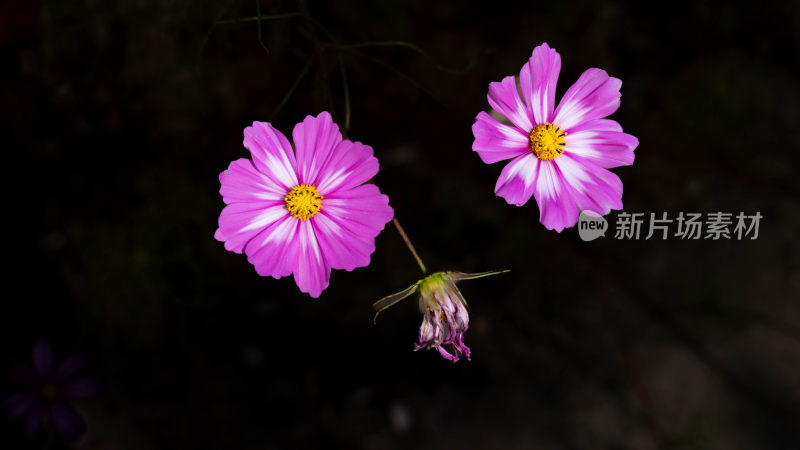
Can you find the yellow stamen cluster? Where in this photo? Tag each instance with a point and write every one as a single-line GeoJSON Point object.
{"type": "Point", "coordinates": [303, 201]}
{"type": "Point", "coordinates": [547, 141]}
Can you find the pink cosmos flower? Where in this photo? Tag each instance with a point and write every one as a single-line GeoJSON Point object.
{"type": "Point", "coordinates": [558, 154]}
{"type": "Point", "coordinates": [302, 210]}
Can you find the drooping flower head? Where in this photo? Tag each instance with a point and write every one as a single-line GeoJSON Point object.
{"type": "Point", "coordinates": [559, 155]}
{"type": "Point", "coordinates": [302, 210]}
{"type": "Point", "coordinates": [445, 317]}
{"type": "Point", "coordinates": [46, 391]}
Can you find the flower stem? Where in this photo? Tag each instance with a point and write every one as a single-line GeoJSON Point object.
{"type": "Point", "coordinates": [408, 244]}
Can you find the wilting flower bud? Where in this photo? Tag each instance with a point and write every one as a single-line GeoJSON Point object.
{"type": "Point", "coordinates": [444, 312]}
{"type": "Point", "coordinates": [445, 318]}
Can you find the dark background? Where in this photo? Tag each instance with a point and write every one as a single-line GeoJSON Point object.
{"type": "Point", "coordinates": [118, 117]}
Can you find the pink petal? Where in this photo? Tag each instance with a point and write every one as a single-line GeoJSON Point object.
{"type": "Point", "coordinates": [503, 98]}
{"type": "Point", "coordinates": [350, 164]}
{"type": "Point", "coordinates": [447, 355]}
{"type": "Point", "coordinates": [240, 222]}
{"type": "Point", "coordinates": [597, 125]}
{"type": "Point", "coordinates": [242, 182]}
{"type": "Point", "coordinates": [348, 223]}
{"type": "Point", "coordinates": [566, 186]}
{"type": "Point", "coordinates": [312, 272]}
{"type": "Point", "coordinates": [218, 235]}
{"type": "Point", "coordinates": [590, 186]}
{"type": "Point", "coordinates": [363, 210]}
{"type": "Point", "coordinates": [518, 179]}
{"type": "Point", "coordinates": [538, 79]}
{"type": "Point", "coordinates": [314, 141]}
{"type": "Point", "coordinates": [274, 251]}
{"type": "Point", "coordinates": [556, 208]}
{"type": "Point", "coordinates": [272, 154]}
{"type": "Point", "coordinates": [495, 141]}
{"type": "Point", "coordinates": [342, 248]}
{"type": "Point", "coordinates": [605, 148]}
{"type": "Point", "coordinates": [595, 95]}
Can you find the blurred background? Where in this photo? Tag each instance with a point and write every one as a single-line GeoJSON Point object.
{"type": "Point", "coordinates": [119, 116]}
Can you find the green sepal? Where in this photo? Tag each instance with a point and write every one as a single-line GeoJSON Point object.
{"type": "Point", "coordinates": [391, 300]}
{"type": "Point", "coordinates": [458, 276]}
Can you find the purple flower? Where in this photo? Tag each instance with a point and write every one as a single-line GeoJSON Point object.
{"type": "Point", "coordinates": [560, 154]}
{"type": "Point", "coordinates": [46, 391]}
{"type": "Point", "coordinates": [302, 210]}
{"type": "Point", "coordinates": [445, 317]}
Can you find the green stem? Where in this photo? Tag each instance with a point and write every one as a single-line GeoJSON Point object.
{"type": "Point", "coordinates": [408, 244]}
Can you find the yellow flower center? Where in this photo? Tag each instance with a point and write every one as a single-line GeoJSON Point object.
{"type": "Point", "coordinates": [303, 201]}
{"type": "Point", "coordinates": [547, 141]}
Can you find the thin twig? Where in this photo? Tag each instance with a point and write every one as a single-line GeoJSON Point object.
{"type": "Point", "coordinates": [258, 27]}
{"type": "Point", "coordinates": [346, 94]}
{"type": "Point", "coordinates": [206, 38]}
{"type": "Point", "coordinates": [416, 49]}
{"type": "Point", "coordinates": [405, 77]}
{"type": "Point", "coordinates": [408, 244]}
{"type": "Point", "coordinates": [258, 18]}
{"type": "Point", "coordinates": [293, 87]}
